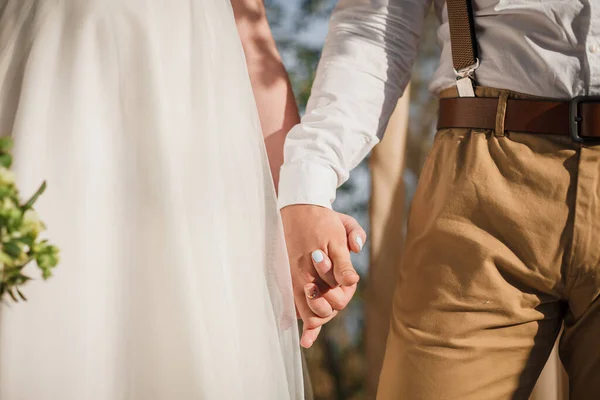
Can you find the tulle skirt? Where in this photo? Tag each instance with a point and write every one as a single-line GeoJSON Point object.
{"type": "Point", "coordinates": [174, 280]}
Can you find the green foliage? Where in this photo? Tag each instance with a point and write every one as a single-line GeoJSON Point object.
{"type": "Point", "coordinates": [20, 228]}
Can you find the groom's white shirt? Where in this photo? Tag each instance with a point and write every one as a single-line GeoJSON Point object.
{"type": "Point", "coordinates": [543, 48]}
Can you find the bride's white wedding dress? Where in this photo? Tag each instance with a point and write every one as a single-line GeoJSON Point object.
{"type": "Point", "coordinates": [174, 282]}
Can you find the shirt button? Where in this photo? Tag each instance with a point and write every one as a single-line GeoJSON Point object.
{"type": "Point", "coordinates": [594, 48]}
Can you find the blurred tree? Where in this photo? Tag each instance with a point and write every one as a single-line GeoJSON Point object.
{"type": "Point", "coordinates": [336, 361]}
{"type": "Point", "coordinates": [291, 22]}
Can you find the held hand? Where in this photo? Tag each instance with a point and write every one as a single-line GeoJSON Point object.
{"type": "Point", "coordinates": [319, 242]}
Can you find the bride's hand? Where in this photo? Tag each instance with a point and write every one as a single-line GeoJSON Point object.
{"type": "Point", "coordinates": [319, 242]}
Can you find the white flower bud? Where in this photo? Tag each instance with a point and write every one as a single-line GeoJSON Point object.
{"type": "Point", "coordinates": [7, 177]}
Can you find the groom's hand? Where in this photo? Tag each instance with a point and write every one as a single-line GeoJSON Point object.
{"type": "Point", "coordinates": [319, 242]}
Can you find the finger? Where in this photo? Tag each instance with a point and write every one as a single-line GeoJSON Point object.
{"type": "Point", "coordinates": [309, 337]}
{"type": "Point", "coordinates": [300, 280]}
{"type": "Point", "coordinates": [310, 334]}
{"type": "Point", "coordinates": [357, 236]}
{"type": "Point", "coordinates": [339, 297]}
{"type": "Point", "coordinates": [302, 283]}
{"type": "Point", "coordinates": [304, 312]}
{"type": "Point", "coordinates": [324, 267]}
{"type": "Point", "coordinates": [309, 318]}
{"type": "Point", "coordinates": [344, 272]}
{"type": "Point", "coordinates": [356, 240]}
{"type": "Point", "coordinates": [316, 303]}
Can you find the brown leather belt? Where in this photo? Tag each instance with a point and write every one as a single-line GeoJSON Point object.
{"type": "Point", "coordinates": [578, 118]}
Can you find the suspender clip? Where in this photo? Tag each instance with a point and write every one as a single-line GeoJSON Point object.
{"type": "Point", "coordinates": [465, 78]}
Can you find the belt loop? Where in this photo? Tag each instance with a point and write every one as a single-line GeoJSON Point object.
{"type": "Point", "coordinates": [501, 114]}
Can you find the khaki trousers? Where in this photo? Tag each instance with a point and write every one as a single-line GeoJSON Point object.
{"type": "Point", "coordinates": [503, 245]}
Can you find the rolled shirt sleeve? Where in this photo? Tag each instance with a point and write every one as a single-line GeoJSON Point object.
{"type": "Point", "coordinates": [364, 68]}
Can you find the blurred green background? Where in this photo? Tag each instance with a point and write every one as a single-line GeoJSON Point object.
{"type": "Point", "coordinates": [336, 362]}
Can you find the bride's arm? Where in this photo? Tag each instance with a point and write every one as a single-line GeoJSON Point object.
{"type": "Point", "coordinates": [272, 90]}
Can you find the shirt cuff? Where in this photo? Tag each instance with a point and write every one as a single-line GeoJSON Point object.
{"type": "Point", "coordinates": [307, 183]}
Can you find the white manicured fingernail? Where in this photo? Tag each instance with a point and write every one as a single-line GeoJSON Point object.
{"type": "Point", "coordinates": [318, 256]}
{"type": "Point", "coordinates": [359, 242]}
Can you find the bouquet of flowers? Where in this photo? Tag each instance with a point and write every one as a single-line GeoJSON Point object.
{"type": "Point", "coordinates": [20, 228]}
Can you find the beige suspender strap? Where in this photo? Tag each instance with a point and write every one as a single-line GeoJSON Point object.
{"type": "Point", "coordinates": [464, 44]}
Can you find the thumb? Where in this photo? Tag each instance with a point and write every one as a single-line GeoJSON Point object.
{"type": "Point", "coordinates": [343, 270]}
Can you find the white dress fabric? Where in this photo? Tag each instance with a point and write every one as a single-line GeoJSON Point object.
{"type": "Point", "coordinates": [174, 281]}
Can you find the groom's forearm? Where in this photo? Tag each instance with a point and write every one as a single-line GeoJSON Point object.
{"type": "Point", "coordinates": [275, 100]}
